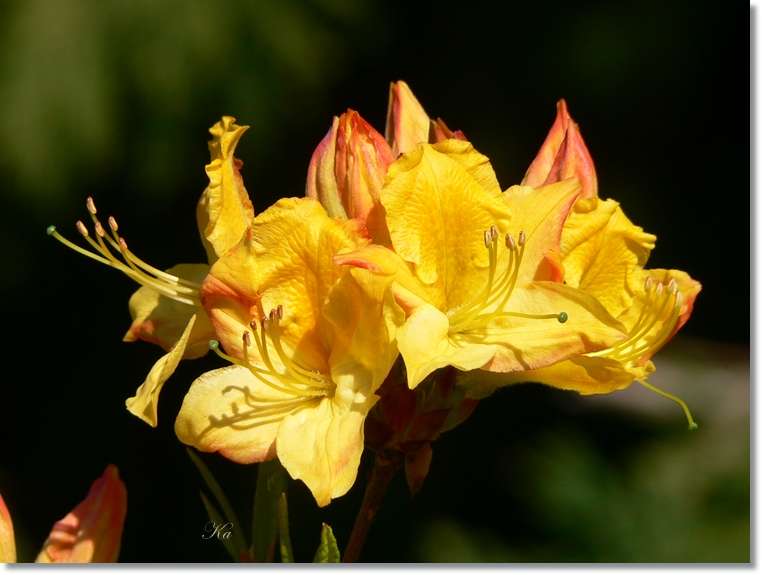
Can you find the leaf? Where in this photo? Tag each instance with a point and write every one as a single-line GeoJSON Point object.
{"type": "Point", "coordinates": [328, 552]}
{"type": "Point", "coordinates": [272, 481]}
{"type": "Point", "coordinates": [286, 552]}
{"type": "Point", "coordinates": [216, 519]}
{"type": "Point", "coordinates": [221, 499]}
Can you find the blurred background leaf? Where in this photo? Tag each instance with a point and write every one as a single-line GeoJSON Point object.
{"type": "Point", "coordinates": [114, 100]}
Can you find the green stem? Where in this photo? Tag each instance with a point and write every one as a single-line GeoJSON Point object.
{"type": "Point", "coordinates": [385, 467]}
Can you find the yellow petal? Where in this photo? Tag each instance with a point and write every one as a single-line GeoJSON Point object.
{"type": "Point", "coordinates": [407, 124]}
{"type": "Point", "coordinates": [162, 320]}
{"type": "Point", "coordinates": [436, 213]}
{"type": "Point", "coordinates": [530, 343]}
{"type": "Point", "coordinates": [7, 540]}
{"type": "Point", "coordinates": [321, 444]}
{"type": "Point", "coordinates": [231, 411]}
{"type": "Point", "coordinates": [603, 256]}
{"type": "Point", "coordinates": [227, 203]}
{"type": "Point", "coordinates": [92, 532]}
{"type": "Point", "coordinates": [146, 400]}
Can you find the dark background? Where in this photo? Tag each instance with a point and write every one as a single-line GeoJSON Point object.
{"type": "Point", "coordinates": [114, 100]}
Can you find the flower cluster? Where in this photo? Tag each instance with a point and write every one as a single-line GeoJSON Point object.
{"type": "Point", "coordinates": [405, 264]}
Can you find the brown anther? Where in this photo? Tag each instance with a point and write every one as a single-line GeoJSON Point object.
{"type": "Point", "coordinates": [82, 229]}
{"type": "Point", "coordinates": [99, 229]}
{"type": "Point", "coordinates": [493, 231]}
{"type": "Point", "coordinates": [487, 239]}
{"type": "Point", "coordinates": [649, 283]}
{"type": "Point", "coordinates": [122, 244]}
{"type": "Point", "coordinates": [522, 238]}
{"type": "Point", "coordinates": [246, 338]}
{"type": "Point", "coordinates": [264, 324]}
{"type": "Point", "coordinates": [254, 325]}
{"type": "Point", "coordinates": [510, 243]}
{"type": "Point", "coordinates": [280, 311]}
{"type": "Point", "coordinates": [91, 206]}
{"type": "Point", "coordinates": [112, 223]}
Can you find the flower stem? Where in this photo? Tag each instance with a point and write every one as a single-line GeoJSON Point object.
{"type": "Point", "coordinates": [385, 467]}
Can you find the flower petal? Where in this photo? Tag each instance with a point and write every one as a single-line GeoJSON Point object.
{"type": "Point", "coordinates": [92, 532]}
{"type": "Point", "coordinates": [231, 411]}
{"type": "Point", "coordinates": [407, 124]}
{"type": "Point", "coordinates": [162, 320]}
{"type": "Point", "coordinates": [146, 401]}
{"type": "Point", "coordinates": [7, 539]}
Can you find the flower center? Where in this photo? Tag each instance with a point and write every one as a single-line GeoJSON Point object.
{"type": "Point", "coordinates": [293, 379]}
{"type": "Point", "coordinates": [490, 302]}
{"type": "Point", "coordinates": [179, 289]}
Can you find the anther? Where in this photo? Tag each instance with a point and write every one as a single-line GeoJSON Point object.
{"type": "Point", "coordinates": [51, 230]}
{"type": "Point", "coordinates": [280, 311]}
{"type": "Point", "coordinates": [672, 286]}
{"type": "Point", "coordinates": [522, 238]}
{"type": "Point", "coordinates": [246, 338]}
{"type": "Point", "coordinates": [81, 229]}
{"type": "Point", "coordinates": [563, 317]}
{"type": "Point", "coordinates": [253, 325]}
{"type": "Point", "coordinates": [273, 315]}
{"type": "Point", "coordinates": [112, 223]}
{"type": "Point", "coordinates": [649, 283]}
{"type": "Point", "coordinates": [213, 344]}
{"type": "Point", "coordinates": [493, 232]}
{"type": "Point", "coordinates": [487, 239]}
{"type": "Point", "coordinates": [91, 206]}
{"type": "Point", "coordinates": [659, 288]}
{"type": "Point", "coordinates": [510, 243]}
{"type": "Point", "coordinates": [679, 300]}
{"type": "Point", "coordinates": [264, 324]}
{"type": "Point", "coordinates": [99, 229]}
{"type": "Point", "coordinates": [122, 244]}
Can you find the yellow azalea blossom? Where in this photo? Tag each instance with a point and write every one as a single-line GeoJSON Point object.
{"type": "Point", "coordinates": [166, 310]}
{"type": "Point", "coordinates": [604, 254]}
{"type": "Point", "coordinates": [309, 348]}
{"type": "Point", "coordinates": [473, 268]}
{"type": "Point", "coordinates": [91, 533]}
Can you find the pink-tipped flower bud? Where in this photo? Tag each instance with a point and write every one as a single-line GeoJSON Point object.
{"type": "Point", "coordinates": [563, 155]}
{"type": "Point", "coordinates": [347, 172]}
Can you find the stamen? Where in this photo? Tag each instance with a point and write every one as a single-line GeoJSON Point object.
{"type": "Point", "coordinates": [80, 228]}
{"type": "Point", "coordinates": [91, 206]}
{"type": "Point", "coordinates": [112, 223]}
{"type": "Point", "coordinates": [691, 424]}
{"type": "Point", "coordinates": [509, 242]}
{"type": "Point", "coordinates": [522, 238]}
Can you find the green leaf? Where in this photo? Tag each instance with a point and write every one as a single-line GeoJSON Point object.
{"type": "Point", "coordinates": [221, 499]}
{"type": "Point", "coordinates": [272, 481]}
{"type": "Point", "coordinates": [216, 519]}
{"type": "Point", "coordinates": [286, 552]}
{"type": "Point", "coordinates": [328, 552]}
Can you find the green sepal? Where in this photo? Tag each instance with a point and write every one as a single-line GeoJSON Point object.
{"type": "Point", "coordinates": [286, 552]}
{"type": "Point", "coordinates": [216, 519]}
{"type": "Point", "coordinates": [216, 490]}
{"type": "Point", "coordinates": [272, 481]}
{"type": "Point", "coordinates": [328, 552]}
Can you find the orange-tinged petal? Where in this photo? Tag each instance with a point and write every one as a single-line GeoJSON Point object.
{"type": "Point", "coordinates": [231, 411]}
{"type": "Point", "coordinates": [146, 400]}
{"type": "Point", "coordinates": [92, 532]}
{"type": "Point", "coordinates": [407, 124]}
{"type": "Point", "coordinates": [563, 155]}
{"type": "Point", "coordinates": [227, 203]}
{"type": "Point", "coordinates": [347, 172]}
{"type": "Point", "coordinates": [161, 320]}
{"type": "Point", "coordinates": [7, 539]}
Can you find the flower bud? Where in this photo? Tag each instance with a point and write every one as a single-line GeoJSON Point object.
{"type": "Point", "coordinates": [92, 532]}
{"type": "Point", "coordinates": [407, 123]}
{"type": "Point", "coordinates": [563, 155]}
{"type": "Point", "coordinates": [7, 540]}
{"type": "Point", "coordinates": [347, 172]}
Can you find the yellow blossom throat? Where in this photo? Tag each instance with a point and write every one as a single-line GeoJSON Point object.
{"type": "Point", "coordinates": [174, 287]}
{"type": "Point", "coordinates": [297, 380]}
{"type": "Point", "coordinates": [495, 295]}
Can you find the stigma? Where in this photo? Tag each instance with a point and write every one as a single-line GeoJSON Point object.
{"type": "Point", "coordinates": [106, 244]}
{"type": "Point", "coordinates": [489, 304]}
{"type": "Point", "coordinates": [292, 378]}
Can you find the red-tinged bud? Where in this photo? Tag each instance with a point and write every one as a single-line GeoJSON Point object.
{"type": "Point", "coordinates": [7, 539]}
{"type": "Point", "coordinates": [407, 123]}
{"type": "Point", "coordinates": [439, 132]}
{"type": "Point", "coordinates": [92, 532]}
{"type": "Point", "coordinates": [347, 172]}
{"type": "Point", "coordinates": [417, 467]}
{"type": "Point", "coordinates": [563, 155]}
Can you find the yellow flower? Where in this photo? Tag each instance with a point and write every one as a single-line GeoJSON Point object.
{"type": "Point", "coordinates": [309, 349]}
{"type": "Point", "coordinates": [166, 310]}
{"type": "Point", "coordinates": [473, 268]}
{"type": "Point", "coordinates": [604, 254]}
{"type": "Point", "coordinates": [91, 533]}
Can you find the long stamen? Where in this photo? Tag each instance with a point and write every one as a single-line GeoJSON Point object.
{"type": "Point", "coordinates": [691, 424]}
